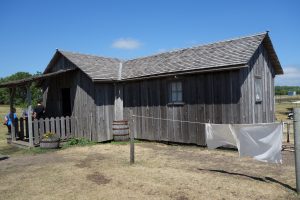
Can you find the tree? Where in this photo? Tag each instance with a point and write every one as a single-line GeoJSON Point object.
{"type": "Point", "coordinates": [283, 90]}
{"type": "Point", "coordinates": [20, 95]}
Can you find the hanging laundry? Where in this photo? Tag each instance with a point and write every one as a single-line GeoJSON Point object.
{"type": "Point", "coordinates": [263, 142]}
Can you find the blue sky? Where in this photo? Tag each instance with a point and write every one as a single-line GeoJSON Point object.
{"type": "Point", "coordinates": [30, 31]}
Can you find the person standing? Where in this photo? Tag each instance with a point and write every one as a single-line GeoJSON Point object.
{"type": "Point", "coordinates": [9, 118]}
{"type": "Point", "coordinates": [39, 111]}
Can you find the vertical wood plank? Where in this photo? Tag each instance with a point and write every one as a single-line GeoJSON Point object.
{"type": "Point", "coordinates": [73, 125]}
{"type": "Point", "coordinates": [36, 131]}
{"type": "Point", "coordinates": [29, 110]}
{"type": "Point", "coordinates": [67, 127]}
{"type": "Point", "coordinates": [52, 124]}
{"type": "Point", "coordinates": [63, 130]}
{"type": "Point", "coordinates": [42, 128]}
{"type": "Point", "coordinates": [57, 124]}
{"type": "Point", "coordinates": [47, 125]}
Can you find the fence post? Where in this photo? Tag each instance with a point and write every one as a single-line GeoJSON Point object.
{"type": "Point", "coordinates": [29, 114]}
{"type": "Point", "coordinates": [297, 146]}
{"type": "Point", "coordinates": [131, 138]}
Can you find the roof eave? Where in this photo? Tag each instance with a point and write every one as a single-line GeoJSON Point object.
{"type": "Point", "coordinates": [273, 56]}
{"type": "Point", "coordinates": [196, 71]}
{"type": "Point", "coordinates": [24, 82]}
{"type": "Point", "coordinates": [53, 59]}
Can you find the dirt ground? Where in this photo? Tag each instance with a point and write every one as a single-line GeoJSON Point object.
{"type": "Point", "coordinates": [161, 172]}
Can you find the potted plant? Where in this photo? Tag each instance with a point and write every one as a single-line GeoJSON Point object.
{"type": "Point", "coordinates": [49, 141]}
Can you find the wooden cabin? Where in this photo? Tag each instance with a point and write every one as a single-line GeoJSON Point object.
{"type": "Point", "coordinates": [225, 82]}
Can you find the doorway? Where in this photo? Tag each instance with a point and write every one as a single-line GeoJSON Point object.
{"type": "Point", "coordinates": [66, 101]}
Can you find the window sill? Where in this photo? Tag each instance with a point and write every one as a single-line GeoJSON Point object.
{"type": "Point", "coordinates": [176, 104]}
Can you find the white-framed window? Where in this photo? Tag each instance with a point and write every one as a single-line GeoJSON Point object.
{"type": "Point", "coordinates": [175, 92]}
{"type": "Point", "coordinates": [258, 86]}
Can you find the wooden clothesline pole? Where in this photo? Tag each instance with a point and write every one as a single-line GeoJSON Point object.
{"type": "Point", "coordinates": [297, 146]}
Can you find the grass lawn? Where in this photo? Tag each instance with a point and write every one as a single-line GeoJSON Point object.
{"type": "Point", "coordinates": [161, 171]}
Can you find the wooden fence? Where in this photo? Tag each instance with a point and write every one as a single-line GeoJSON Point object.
{"type": "Point", "coordinates": [64, 127]}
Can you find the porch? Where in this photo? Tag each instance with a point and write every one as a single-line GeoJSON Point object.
{"type": "Point", "coordinates": [63, 127]}
{"type": "Point", "coordinates": [26, 131]}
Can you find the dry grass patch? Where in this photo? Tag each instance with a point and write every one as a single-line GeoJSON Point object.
{"type": "Point", "coordinates": [160, 172]}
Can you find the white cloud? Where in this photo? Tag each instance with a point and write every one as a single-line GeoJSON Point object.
{"type": "Point", "coordinates": [126, 43]}
{"type": "Point", "coordinates": [291, 77]}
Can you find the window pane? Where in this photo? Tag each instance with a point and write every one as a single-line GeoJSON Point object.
{"type": "Point", "coordinates": [173, 87]}
{"type": "Point", "coordinates": [174, 96]}
{"type": "Point", "coordinates": [175, 91]}
{"type": "Point", "coordinates": [179, 96]}
{"type": "Point", "coordinates": [179, 86]}
{"type": "Point", "coordinates": [258, 89]}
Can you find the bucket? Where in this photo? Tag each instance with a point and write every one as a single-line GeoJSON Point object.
{"type": "Point", "coordinates": [120, 130]}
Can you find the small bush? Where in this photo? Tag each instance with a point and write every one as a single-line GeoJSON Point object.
{"type": "Point", "coordinates": [78, 142]}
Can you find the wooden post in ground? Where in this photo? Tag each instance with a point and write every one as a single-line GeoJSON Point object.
{"type": "Point", "coordinates": [29, 114]}
{"type": "Point", "coordinates": [288, 132]}
{"type": "Point", "coordinates": [131, 132]}
{"type": "Point", "coordinates": [297, 146]}
{"type": "Point", "coordinates": [11, 114]}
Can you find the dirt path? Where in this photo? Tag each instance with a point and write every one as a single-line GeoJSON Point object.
{"type": "Point", "coordinates": [161, 172]}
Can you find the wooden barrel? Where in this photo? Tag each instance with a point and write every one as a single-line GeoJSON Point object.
{"type": "Point", "coordinates": [120, 130]}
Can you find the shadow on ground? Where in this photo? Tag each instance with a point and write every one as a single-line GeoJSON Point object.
{"type": "Point", "coordinates": [10, 150]}
{"type": "Point", "coordinates": [264, 179]}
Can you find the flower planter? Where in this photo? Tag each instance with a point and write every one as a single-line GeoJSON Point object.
{"type": "Point", "coordinates": [49, 143]}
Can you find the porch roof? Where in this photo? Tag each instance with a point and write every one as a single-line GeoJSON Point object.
{"type": "Point", "coordinates": [22, 82]}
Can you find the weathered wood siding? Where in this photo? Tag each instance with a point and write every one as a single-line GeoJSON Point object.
{"type": "Point", "coordinates": [91, 104]}
{"type": "Point", "coordinates": [215, 97]}
{"type": "Point", "coordinates": [219, 97]}
{"type": "Point", "coordinates": [207, 97]}
{"type": "Point", "coordinates": [252, 111]}
{"type": "Point", "coordinates": [52, 97]}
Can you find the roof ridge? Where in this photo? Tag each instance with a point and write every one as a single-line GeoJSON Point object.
{"type": "Point", "coordinates": [167, 52]}
{"type": "Point", "coordinates": [198, 45]}
{"type": "Point", "coordinates": [85, 54]}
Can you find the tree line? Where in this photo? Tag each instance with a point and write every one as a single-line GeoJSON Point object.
{"type": "Point", "coordinates": [283, 90]}
{"type": "Point", "coordinates": [21, 93]}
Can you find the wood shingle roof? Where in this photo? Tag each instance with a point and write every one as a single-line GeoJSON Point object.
{"type": "Point", "coordinates": [224, 54]}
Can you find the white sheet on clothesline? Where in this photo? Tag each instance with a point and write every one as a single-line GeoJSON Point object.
{"type": "Point", "coordinates": [263, 142]}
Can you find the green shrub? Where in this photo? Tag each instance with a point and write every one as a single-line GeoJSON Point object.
{"type": "Point", "coordinates": [78, 142]}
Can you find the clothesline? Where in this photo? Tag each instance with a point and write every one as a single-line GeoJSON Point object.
{"type": "Point", "coordinates": [193, 122]}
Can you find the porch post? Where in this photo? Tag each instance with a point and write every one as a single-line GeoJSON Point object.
{"type": "Point", "coordinates": [11, 114]}
{"type": "Point", "coordinates": [118, 102]}
{"type": "Point", "coordinates": [29, 114]}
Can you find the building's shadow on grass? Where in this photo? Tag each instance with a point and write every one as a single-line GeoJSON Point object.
{"type": "Point", "coordinates": [10, 150]}
{"type": "Point", "coordinates": [265, 179]}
